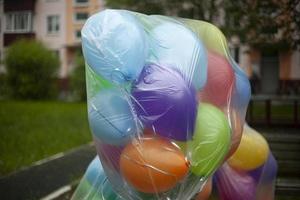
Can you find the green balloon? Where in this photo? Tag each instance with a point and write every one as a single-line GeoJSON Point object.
{"type": "Point", "coordinates": [210, 142]}
{"type": "Point", "coordinates": [86, 190]}
{"type": "Point", "coordinates": [210, 35]}
{"type": "Point", "coordinates": [94, 82]}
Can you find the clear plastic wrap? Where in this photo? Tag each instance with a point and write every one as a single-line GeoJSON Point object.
{"type": "Point", "coordinates": [166, 104]}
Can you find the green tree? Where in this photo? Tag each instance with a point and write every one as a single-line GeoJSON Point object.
{"type": "Point", "coordinates": [255, 22]}
{"type": "Point", "coordinates": [264, 23]}
{"type": "Point", "coordinates": [204, 10]}
{"type": "Point", "coordinates": [31, 69]}
{"type": "Point", "coordinates": [77, 79]}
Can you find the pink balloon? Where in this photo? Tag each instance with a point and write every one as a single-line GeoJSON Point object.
{"type": "Point", "coordinates": [110, 154]}
{"type": "Point", "coordinates": [220, 81]}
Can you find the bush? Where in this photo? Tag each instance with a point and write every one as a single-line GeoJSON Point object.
{"type": "Point", "coordinates": [3, 86]}
{"type": "Point", "coordinates": [31, 69]}
{"type": "Point", "coordinates": [77, 79]}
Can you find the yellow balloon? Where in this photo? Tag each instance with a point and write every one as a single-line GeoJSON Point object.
{"type": "Point", "coordinates": [210, 35]}
{"type": "Point", "coordinates": [252, 152]}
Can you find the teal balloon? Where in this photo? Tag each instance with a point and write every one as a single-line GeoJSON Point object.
{"type": "Point", "coordinates": [95, 172]}
{"type": "Point", "coordinates": [114, 45]}
{"type": "Point", "coordinates": [210, 142]}
{"type": "Point", "coordinates": [110, 117]}
{"type": "Point", "coordinates": [175, 45]}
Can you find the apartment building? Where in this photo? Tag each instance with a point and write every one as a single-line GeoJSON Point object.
{"type": "Point", "coordinates": [275, 72]}
{"type": "Point", "coordinates": [57, 23]}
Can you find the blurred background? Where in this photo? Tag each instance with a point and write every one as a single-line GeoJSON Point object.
{"type": "Point", "coordinates": [42, 84]}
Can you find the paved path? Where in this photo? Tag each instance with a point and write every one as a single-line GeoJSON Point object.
{"type": "Point", "coordinates": [46, 176]}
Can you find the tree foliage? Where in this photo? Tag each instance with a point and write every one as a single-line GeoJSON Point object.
{"type": "Point", "coordinates": [31, 69]}
{"type": "Point", "coordinates": [204, 10]}
{"type": "Point", "coordinates": [263, 22]}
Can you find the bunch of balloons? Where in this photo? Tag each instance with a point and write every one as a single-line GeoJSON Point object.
{"type": "Point", "coordinates": [166, 103]}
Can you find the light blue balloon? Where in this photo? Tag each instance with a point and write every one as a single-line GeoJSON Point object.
{"type": "Point", "coordinates": [110, 117]}
{"type": "Point", "coordinates": [175, 45]}
{"type": "Point", "coordinates": [95, 173]}
{"type": "Point", "coordinates": [114, 45]}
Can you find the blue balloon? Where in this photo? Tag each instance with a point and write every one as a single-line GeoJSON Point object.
{"type": "Point", "coordinates": [175, 45]}
{"type": "Point", "coordinates": [110, 117]}
{"type": "Point", "coordinates": [242, 92]}
{"type": "Point", "coordinates": [114, 45]}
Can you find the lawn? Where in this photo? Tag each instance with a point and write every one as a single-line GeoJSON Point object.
{"type": "Point", "coordinates": [283, 112]}
{"type": "Point", "coordinates": [280, 113]}
{"type": "Point", "coordinates": [30, 131]}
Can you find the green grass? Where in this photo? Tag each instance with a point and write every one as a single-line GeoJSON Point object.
{"type": "Point", "coordinates": [283, 111]}
{"type": "Point", "coordinates": [30, 131]}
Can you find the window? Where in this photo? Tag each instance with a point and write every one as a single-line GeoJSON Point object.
{"type": "Point", "coordinates": [77, 34]}
{"type": "Point", "coordinates": [81, 16]}
{"type": "Point", "coordinates": [81, 2]}
{"type": "Point", "coordinates": [52, 24]}
{"type": "Point", "coordinates": [18, 22]}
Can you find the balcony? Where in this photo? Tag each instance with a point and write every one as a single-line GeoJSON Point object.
{"type": "Point", "coordinates": [9, 38]}
{"type": "Point", "coordinates": [19, 5]}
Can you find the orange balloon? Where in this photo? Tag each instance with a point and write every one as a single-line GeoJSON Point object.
{"type": "Point", "coordinates": [153, 165]}
{"type": "Point", "coordinates": [149, 132]}
{"type": "Point", "coordinates": [237, 130]}
{"type": "Point", "coordinates": [206, 191]}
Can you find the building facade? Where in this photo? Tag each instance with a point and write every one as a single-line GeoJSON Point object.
{"type": "Point", "coordinates": [56, 23]}
{"type": "Point", "coordinates": [276, 72]}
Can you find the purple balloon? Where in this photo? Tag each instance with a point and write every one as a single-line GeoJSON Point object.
{"type": "Point", "coordinates": [256, 173]}
{"type": "Point", "coordinates": [165, 102]}
{"type": "Point", "coordinates": [266, 173]}
{"type": "Point", "coordinates": [233, 185]}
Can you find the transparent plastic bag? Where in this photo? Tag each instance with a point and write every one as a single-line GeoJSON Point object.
{"type": "Point", "coordinates": [166, 102]}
